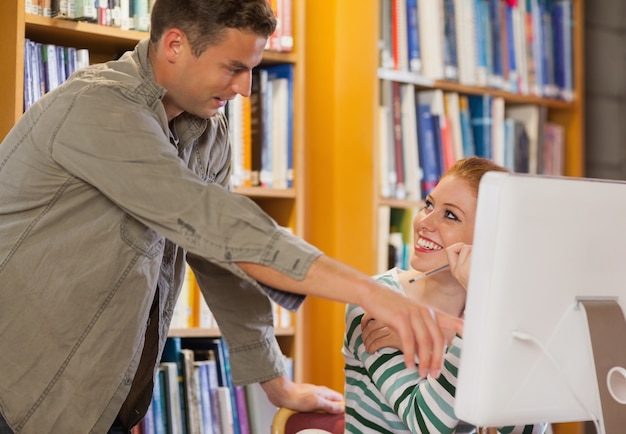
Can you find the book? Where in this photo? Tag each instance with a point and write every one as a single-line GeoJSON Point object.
{"type": "Point", "coordinates": [400, 52]}
{"type": "Point", "coordinates": [147, 423]}
{"type": "Point", "coordinates": [192, 400]}
{"type": "Point", "coordinates": [443, 133]}
{"type": "Point", "coordinates": [383, 221]}
{"type": "Point", "coordinates": [158, 404]}
{"type": "Point", "coordinates": [467, 134]}
{"type": "Point", "coordinates": [522, 145]}
{"type": "Point", "coordinates": [172, 397]}
{"type": "Point", "coordinates": [400, 191]}
{"type": "Point", "coordinates": [450, 53]}
{"type": "Point", "coordinates": [533, 117]}
{"type": "Point", "coordinates": [227, 423]}
{"type": "Point", "coordinates": [385, 42]}
{"type": "Point", "coordinates": [182, 317]}
{"type": "Point", "coordinates": [260, 410]}
{"type": "Point", "coordinates": [413, 42]}
{"type": "Point", "coordinates": [212, 377]}
{"type": "Point", "coordinates": [388, 176]}
{"type": "Point", "coordinates": [480, 109]}
{"type": "Point", "coordinates": [452, 111]}
{"type": "Point", "coordinates": [554, 150]}
{"type": "Point", "coordinates": [564, 48]}
{"type": "Point", "coordinates": [242, 409]}
{"type": "Point", "coordinates": [282, 77]}
{"type": "Point", "coordinates": [258, 123]}
{"type": "Point", "coordinates": [410, 154]}
{"type": "Point", "coordinates": [204, 393]}
{"type": "Point", "coordinates": [50, 65]}
{"type": "Point", "coordinates": [497, 130]}
{"type": "Point", "coordinates": [430, 23]}
{"type": "Point", "coordinates": [429, 154]}
{"type": "Point", "coordinates": [172, 353]}
{"type": "Point", "coordinates": [235, 117]}
{"type": "Point", "coordinates": [466, 41]}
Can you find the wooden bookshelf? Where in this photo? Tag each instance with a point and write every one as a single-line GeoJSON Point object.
{"type": "Point", "coordinates": [107, 43]}
{"type": "Point", "coordinates": [342, 129]}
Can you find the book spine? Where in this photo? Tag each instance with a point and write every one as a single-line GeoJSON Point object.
{"type": "Point", "coordinates": [427, 149]}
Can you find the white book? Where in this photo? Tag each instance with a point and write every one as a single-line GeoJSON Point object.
{"type": "Point", "coordinates": [410, 154]}
{"type": "Point", "coordinates": [384, 217]}
{"type": "Point", "coordinates": [226, 410]}
{"type": "Point", "coordinates": [280, 131]}
{"type": "Point", "coordinates": [497, 130]}
{"type": "Point", "coordinates": [466, 41]}
{"type": "Point", "coordinates": [430, 24]}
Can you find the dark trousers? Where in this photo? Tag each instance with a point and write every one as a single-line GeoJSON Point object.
{"type": "Point", "coordinates": [4, 428]}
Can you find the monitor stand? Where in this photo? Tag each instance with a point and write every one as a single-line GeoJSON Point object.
{"type": "Point", "coordinates": [607, 330]}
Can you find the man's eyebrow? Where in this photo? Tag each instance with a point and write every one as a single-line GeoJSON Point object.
{"type": "Point", "coordinates": [235, 64]}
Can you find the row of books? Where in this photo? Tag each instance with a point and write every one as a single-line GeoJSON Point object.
{"type": "Point", "coordinates": [46, 66]}
{"type": "Point", "coordinates": [191, 310]}
{"type": "Point", "coordinates": [521, 46]}
{"type": "Point", "coordinates": [135, 15]}
{"type": "Point", "coordinates": [261, 129]}
{"type": "Point", "coordinates": [194, 393]}
{"type": "Point", "coordinates": [423, 132]}
{"type": "Point", "coordinates": [124, 14]}
{"type": "Point", "coordinates": [395, 237]}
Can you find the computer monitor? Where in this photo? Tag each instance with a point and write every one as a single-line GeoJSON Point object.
{"type": "Point", "coordinates": [541, 244]}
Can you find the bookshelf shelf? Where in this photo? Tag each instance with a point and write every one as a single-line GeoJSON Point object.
{"type": "Point", "coordinates": [449, 86]}
{"type": "Point", "coordinates": [215, 333]}
{"type": "Point", "coordinates": [79, 31]}
{"type": "Point", "coordinates": [400, 203]}
{"type": "Point", "coordinates": [261, 192]}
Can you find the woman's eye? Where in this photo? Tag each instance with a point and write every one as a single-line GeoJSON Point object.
{"type": "Point", "coordinates": [450, 215]}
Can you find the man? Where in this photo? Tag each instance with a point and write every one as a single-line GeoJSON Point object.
{"type": "Point", "coordinates": [107, 186]}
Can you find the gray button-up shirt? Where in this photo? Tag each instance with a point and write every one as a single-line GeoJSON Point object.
{"type": "Point", "coordinates": [99, 210]}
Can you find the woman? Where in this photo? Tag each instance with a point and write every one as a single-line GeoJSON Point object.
{"type": "Point", "coordinates": [381, 394]}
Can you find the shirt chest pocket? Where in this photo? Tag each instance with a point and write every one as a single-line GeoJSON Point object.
{"type": "Point", "coordinates": [141, 238]}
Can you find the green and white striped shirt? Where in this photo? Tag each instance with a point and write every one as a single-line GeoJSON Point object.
{"type": "Point", "coordinates": [383, 396]}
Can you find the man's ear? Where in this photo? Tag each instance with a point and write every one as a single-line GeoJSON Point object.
{"type": "Point", "coordinates": [174, 42]}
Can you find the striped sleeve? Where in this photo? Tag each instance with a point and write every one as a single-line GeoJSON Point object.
{"type": "Point", "coordinates": [425, 405]}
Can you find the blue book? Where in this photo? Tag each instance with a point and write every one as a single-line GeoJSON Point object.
{"type": "Point", "coordinates": [233, 397]}
{"type": "Point", "coordinates": [496, 39]}
{"type": "Point", "coordinates": [205, 394]}
{"type": "Point", "coordinates": [438, 143]}
{"type": "Point", "coordinates": [450, 54]}
{"type": "Point", "coordinates": [172, 353]}
{"type": "Point", "coordinates": [427, 149]}
{"type": "Point", "coordinates": [147, 423]}
{"type": "Point", "coordinates": [158, 404]}
{"type": "Point", "coordinates": [481, 51]}
{"type": "Point", "coordinates": [413, 42]}
{"type": "Point", "coordinates": [467, 135]}
{"type": "Point", "coordinates": [510, 42]}
{"type": "Point", "coordinates": [212, 378]}
{"type": "Point", "coordinates": [482, 121]}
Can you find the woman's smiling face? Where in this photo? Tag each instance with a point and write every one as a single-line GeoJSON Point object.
{"type": "Point", "coordinates": [447, 218]}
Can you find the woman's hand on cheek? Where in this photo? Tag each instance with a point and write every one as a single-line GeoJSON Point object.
{"type": "Point", "coordinates": [459, 257]}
